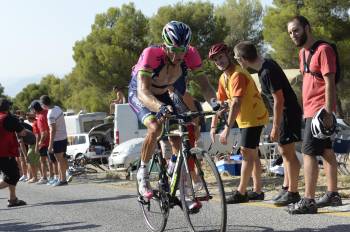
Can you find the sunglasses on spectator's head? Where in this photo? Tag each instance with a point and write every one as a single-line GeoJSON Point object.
{"type": "Point", "coordinates": [173, 49]}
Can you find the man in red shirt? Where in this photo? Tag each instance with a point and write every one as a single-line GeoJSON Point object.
{"type": "Point", "coordinates": [43, 127]}
{"type": "Point", "coordinates": [9, 126]}
{"type": "Point", "coordinates": [317, 93]}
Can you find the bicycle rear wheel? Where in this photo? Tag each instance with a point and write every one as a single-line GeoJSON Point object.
{"type": "Point", "coordinates": [203, 185]}
{"type": "Point", "coordinates": [156, 210]}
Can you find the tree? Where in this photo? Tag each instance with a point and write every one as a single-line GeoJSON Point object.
{"type": "Point", "coordinates": [106, 56]}
{"type": "Point", "coordinates": [244, 18]}
{"type": "Point", "coordinates": [1, 91]}
{"type": "Point", "coordinates": [329, 20]}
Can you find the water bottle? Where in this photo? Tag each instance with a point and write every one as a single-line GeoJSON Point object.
{"type": "Point", "coordinates": [171, 165]}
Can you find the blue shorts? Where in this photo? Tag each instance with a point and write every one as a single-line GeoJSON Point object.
{"type": "Point", "coordinates": [143, 114]}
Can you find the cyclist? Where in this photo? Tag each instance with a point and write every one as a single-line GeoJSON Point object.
{"type": "Point", "coordinates": [159, 68]}
{"type": "Point", "coordinates": [246, 107]}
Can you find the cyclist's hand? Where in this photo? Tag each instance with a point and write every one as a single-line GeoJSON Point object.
{"type": "Point", "coordinates": [164, 111]}
{"type": "Point", "coordinates": [212, 134]}
{"type": "Point", "coordinates": [214, 104]}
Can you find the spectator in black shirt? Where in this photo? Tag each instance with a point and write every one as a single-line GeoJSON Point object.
{"type": "Point", "coordinates": [287, 115]}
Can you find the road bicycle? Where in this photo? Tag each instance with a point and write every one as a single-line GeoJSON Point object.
{"type": "Point", "coordinates": [195, 179]}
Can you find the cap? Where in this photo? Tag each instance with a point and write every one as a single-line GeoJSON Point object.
{"type": "Point", "coordinates": [35, 104]}
{"type": "Point", "coordinates": [5, 104]}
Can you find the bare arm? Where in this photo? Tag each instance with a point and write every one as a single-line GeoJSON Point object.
{"type": "Point", "coordinates": [207, 89]}
{"type": "Point", "coordinates": [52, 133]}
{"type": "Point", "coordinates": [330, 98]}
{"type": "Point", "coordinates": [278, 103]}
{"type": "Point", "coordinates": [234, 110]}
{"type": "Point", "coordinates": [145, 95]}
{"type": "Point", "coordinates": [330, 91]}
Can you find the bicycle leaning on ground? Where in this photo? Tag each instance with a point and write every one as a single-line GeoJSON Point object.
{"type": "Point", "coordinates": [195, 176]}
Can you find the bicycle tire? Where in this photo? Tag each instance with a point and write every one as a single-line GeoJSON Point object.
{"type": "Point", "coordinates": [212, 216]}
{"type": "Point", "coordinates": [156, 210]}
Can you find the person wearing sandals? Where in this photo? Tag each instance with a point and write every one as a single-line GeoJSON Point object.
{"type": "Point", "coordinates": [9, 127]}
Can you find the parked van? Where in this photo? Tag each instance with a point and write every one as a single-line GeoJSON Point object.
{"type": "Point", "coordinates": [83, 122]}
{"type": "Point", "coordinates": [126, 124]}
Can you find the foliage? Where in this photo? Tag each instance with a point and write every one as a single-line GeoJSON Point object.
{"type": "Point", "coordinates": [329, 20]}
{"type": "Point", "coordinates": [244, 19]}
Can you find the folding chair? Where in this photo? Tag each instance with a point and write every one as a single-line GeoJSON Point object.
{"type": "Point", "coordinates": [342, 150]}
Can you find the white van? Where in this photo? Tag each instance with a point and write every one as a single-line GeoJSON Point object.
{"type": "Point", "coordinates": [83, 122]}
{"type": "Point", "coordinates": [126, 124]}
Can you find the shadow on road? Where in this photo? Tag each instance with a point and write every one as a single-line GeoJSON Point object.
{"type": "Point", "coordinates": [70, 202]}
{"type": "Point", "coordinates": [245, 228]}
{"type": "Point", "coordinates": [11, 225]}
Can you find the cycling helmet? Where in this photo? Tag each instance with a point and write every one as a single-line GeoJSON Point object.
{"type": "Point", "coordinates": [176, 34]}
{"type": "Point", "coordinates": [317, 128]}
{"type": "Point", "coordinates": [217, 48]}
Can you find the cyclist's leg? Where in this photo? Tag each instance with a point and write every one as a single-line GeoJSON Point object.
{"type": "Point", "coordinates": [153, 131]}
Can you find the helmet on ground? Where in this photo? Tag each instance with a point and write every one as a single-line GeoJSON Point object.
{"type": "Point", "coordinates": [217, 48]}
{"type": "Point", "coordinates": [176, 34]}
{"type": "Point", "coordinates": [317, 126]}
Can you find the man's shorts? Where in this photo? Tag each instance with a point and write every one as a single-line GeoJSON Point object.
{"type": "Point", "coordinates": [33, 158]}
{"type": "Point", "coordinates": [44, 152]}
{"type": "Point", "coordinates": [290, 131]}
{"type": "Point", "coordinates": [311, 145]}
{"type": "Point", "coordinates": [250, 137]}
{"type": "Point", "coordinates": [143, 114]}
{"type": "Point", "coordinates": [9, 168]}
{"type": "Point", "coordinates": [60, 146]}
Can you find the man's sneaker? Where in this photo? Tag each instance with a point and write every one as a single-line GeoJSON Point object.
{"type": "Point", "coordinates": [23, 178]}
{"type": "Point", "coordinates": [237, 197]}
{"type": "Point", "coordinates": [288, 198]}
{"type": "Point", "coordinates": [42, 181]}
{"type": "Point", "coordinates": [283, 191]}
{"type": "Point", "coordinates": [254, 196]}
{"type": "Point", "coordinates": [60, 183]}
{"type": "Point", "coordinates": [16, 202]}
{"type": "Point", "coordinates": [329, 199]}
{"type": "Point", "coordinates": [304, 206]}
{"type": "Point", "coordinates": [145, 189]}
{"type": "Point", "coordinates": [52, 181]}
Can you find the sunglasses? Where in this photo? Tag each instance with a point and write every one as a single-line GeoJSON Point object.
{"type": "Point", "coordinates": [177, 49]}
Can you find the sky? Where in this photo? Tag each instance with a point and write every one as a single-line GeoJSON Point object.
{"type": "Point", "coordinates": [38, 35]}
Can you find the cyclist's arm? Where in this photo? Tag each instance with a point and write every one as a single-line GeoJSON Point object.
{"type": "Point", "coordinates": [206, 88]}
{"type": "Point", "coordinates": [144, 91]}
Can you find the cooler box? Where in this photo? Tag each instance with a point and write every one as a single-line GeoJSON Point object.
{"type": "Point", "coordinates": [232, 166]}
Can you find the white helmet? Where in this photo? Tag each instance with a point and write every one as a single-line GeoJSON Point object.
{"type": "Point", "coordinates": [317, 128]}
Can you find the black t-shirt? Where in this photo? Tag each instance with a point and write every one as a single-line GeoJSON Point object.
{"type": "Point", "coordinates": [272, 79]}
{"type": "Point", "coordinates": [12, 124]}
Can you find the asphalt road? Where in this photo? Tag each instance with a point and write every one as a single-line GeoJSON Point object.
{"type": "Point", "coordinates": [104, 206]}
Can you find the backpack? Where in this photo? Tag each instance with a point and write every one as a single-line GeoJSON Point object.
{"type": "Point", "coordinates": [307, 61]}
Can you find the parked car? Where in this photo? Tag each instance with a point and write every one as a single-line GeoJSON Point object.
{"type": "Point", "coordinates": [97, 143]}
{"type": "Point", "coordinates": [125, 154]}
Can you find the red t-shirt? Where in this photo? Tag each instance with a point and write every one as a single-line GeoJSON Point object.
{"type": "Point", "coordinates": [35, 127]}
{"type": "Point", "coordinates": [41, 119]}
{"type": "Point", "coordinates": [314, 96]}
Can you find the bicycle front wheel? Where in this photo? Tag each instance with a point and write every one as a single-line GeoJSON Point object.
{"type": "Point", "coordinates": [155, 210]}
{"type": "Point", "coordinates": [202, 187]}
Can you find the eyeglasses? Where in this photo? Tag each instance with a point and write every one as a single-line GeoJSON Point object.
{"type": "Point", "coordinates": [174, 49]}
